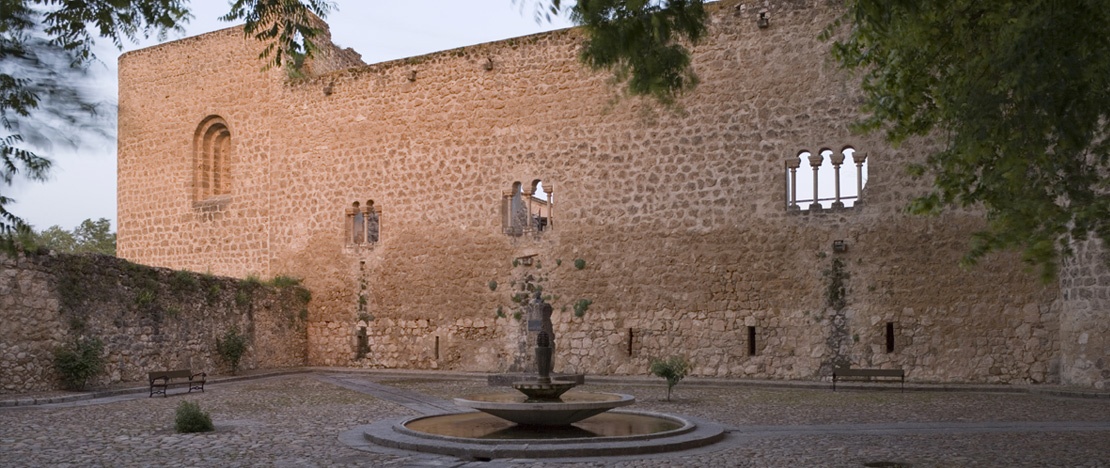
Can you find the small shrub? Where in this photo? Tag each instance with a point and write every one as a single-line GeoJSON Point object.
{"type": "Point", "coordinates": [144, 298]}
{"type": "Point", "coordinates": [231, 348]}
{"type": "Point", "coordinates": [500, 312]}
{"type": "Point", "coordinates": [182, 281]}
{"type": "Point", "coordinates": [674, 369]}
{"type": "Point", "coordinates": [492, 285]}
{"type": "Point", "coordinates": [304, 315]}
{"type": "Point", "coordinates": [191, 419]}
{"type": "Point", "coordinates": [579, 263]}
{"type": "Point", "coordinates": [281, 281]}
{"type": "Point", "coordinates": [213, 294]}
{"type": "Point", "coordinates": [304, 295]}
{"type": "Point", "coordinates": [242, 298]}
{"type": "Point", "coordinates": [581, 307]}
{"type": "Point", "coordinates": [517, 315]}
{"type": "Point", "coordinates": [79, 361]}
{"type": "Point", "coordinates": [365, 317]}
{"type": "Point", "coordinates": [252, 281]}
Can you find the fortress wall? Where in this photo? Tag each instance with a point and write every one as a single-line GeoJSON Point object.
{"type": "Point", "coordinates": [1085, 316]}
{"type": "Point", "coordinates": [170, 91]}
{"type": "Point", "coordinates": [148, 319]}
{"type": "Point", "coordinates": [680, 216]}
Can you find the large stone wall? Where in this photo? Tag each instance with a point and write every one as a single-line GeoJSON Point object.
{"type": "Point", "coordinates": [1085, 316]}
{"type": "Point", "coordinates": [148, 319]}
{"type": "Point", "coordinates": [679, 215]}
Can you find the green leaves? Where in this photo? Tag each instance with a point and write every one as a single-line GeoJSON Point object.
{"type": "Point", "coordinates": [673, 369]}
{"type": "Point", "coordinates": [1019, 94]}
{"type": "Point", "coordinates": [288, 27]}
{"type": "Point", "coordinates": [45, 46]}
{"type": "Point", "coordinates": [78, 361]}
{"type": "Point", "coordinates": [641, 41]}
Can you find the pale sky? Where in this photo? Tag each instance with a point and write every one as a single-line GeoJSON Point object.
{"type": "Point", "coordinates": [83, 182]}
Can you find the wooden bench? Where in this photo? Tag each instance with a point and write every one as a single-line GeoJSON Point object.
{"type": "Point", "coordinates": [161, 381]}
{"type": "Point", "coordinates": [869, 375]}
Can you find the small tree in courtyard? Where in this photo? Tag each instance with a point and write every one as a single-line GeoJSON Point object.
{"type": "Point", "coordinates": [231, 348]}
{"type": "Point", "coordinates": [674, 369]}
{"type": "Point", "coordinates": [79, 361]}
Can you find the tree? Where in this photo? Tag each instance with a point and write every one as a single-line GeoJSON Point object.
{"type": "Point", "coordinates": [1018, 92]}
{"type": "Point", "coordinates": [55, 238]}
{"type": "Point", "coordinates": [643, 42]}
{"type": "Point", "coordinates": [95, 237]}
{"type": "Point", "coordinates": [88, 237]}
{"type": "Point", "coordinates": [674, 369]}
{"type": "Point", "coordinates": [46, 46]}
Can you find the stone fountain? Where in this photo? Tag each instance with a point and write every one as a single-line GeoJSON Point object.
{"type": "Point", "coordinates": [542, 401]}
{"type": "Point", "coordinates": [546, 419]}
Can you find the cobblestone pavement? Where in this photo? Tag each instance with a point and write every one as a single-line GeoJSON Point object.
{"type": "Point", "coordinates": [294, 420]}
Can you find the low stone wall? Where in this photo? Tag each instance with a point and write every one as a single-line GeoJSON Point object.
{"type": "Point", "coordinates": [148, 319]}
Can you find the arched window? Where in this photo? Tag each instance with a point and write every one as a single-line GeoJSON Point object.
{"type": "Point", "coordinates": [363, 223]}
{"type": "Point", "coordinates": [211, 159]}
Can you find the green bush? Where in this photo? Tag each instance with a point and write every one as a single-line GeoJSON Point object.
{"type": "Point", "coordinates": [282, 281]}
{"type": "Point", "coordinates": [231, 348]}
{"type": "Point", "coordinates": [581, 306]}
{"type": "Point", "coordinates": [191, 419]}
{"type": "Point", "coordinates": [79, 361]}
{"type": "Point", "coordinates": [674, 369]}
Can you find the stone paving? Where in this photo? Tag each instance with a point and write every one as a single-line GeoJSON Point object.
{"type": "Point", "coordinates": [294, 420]}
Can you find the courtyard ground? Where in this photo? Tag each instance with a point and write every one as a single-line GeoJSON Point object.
{"type": "Point", "coordinates": [294, 419]}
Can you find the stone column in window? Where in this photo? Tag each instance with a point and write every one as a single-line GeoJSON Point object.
{"type": "Point", "coordinates": [859, 158]}
{"type": "Point", "coordinates": [815, 160]}
{"type": "Point", "coordinates": [532, 221]}
{"type": "Point", "coordinates": [792, 165]}
{"type": "Point", "coordinates": [550, 205]}
{"type": "Point", "coordinates": [837, 160]}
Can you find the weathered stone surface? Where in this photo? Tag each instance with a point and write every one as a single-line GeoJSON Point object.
{"type": "Point", "coordinates": [148, 319]}
{"type": "Point", "coordinates": [680, 216]}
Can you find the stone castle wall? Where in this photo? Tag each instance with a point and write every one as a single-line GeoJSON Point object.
{"type": "Point", "coordinates": [680, 216]}
{"type": "Point", "coordinates": [1085, 316]}
{"type": "Point", "coordinates": [148, 319]}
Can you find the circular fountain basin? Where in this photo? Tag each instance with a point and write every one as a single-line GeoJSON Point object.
{"type": "Point", "coordinates": [482, 436]}
{"type": "Point", "coordinates": [484, 426]}
{"type": "Point", "coordinates": [569, 409]}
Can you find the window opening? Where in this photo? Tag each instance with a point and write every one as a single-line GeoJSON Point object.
{"type": "Point", "coordinates": [890, 337]}
{"type": "Point", "coordinates": [372, 222]}
{"type": "Point", "coordinates": [527, 209]}
{"type": "Point", "coordinates": [212, 152]}
{"type": "Point", "coordinates": [824, 173]}
{"type": "Point", "coordinates": [363, 223]}
{"type": "Point", "coordinates": [751, 341]}
{"type": "Point", "coordinates": [357, 225]}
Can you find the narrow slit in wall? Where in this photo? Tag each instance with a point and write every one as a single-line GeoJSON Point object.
{"type": "Point", "coordinates": [751, 341]}
{"type": "Point", "coordinates": [890, 337]}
